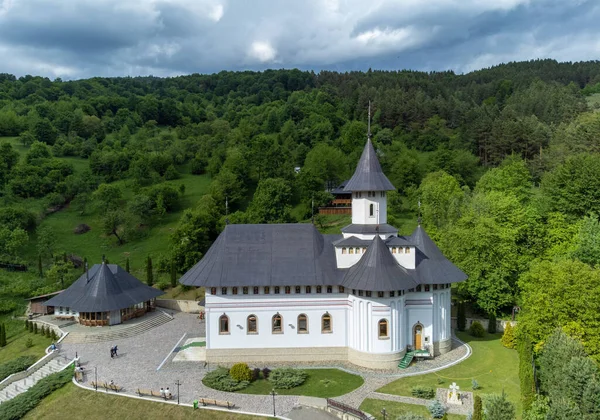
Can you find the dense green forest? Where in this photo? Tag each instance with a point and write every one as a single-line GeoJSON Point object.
{"type": "Point", "coordinates": [505, 161]}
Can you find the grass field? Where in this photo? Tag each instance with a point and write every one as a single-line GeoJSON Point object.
{"type": "Point", "coordinates": [323, 383]}
{"type": "Point", "coordinates": [394, 409]}
{"type": "Point", "coordinates": [493, 366]}
{"type": "Point", "coordinates": [70, 402]}
{"type": "Point", "coordinates": [16, 337]}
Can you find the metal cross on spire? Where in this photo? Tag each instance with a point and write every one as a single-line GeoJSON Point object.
{"type": "Point", "coordinates": [419, 217]}
{"type": "Point", "coordinates": [369, 126]}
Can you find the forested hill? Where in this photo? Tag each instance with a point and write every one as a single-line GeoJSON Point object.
{"type": "Point", "coordinates": [504, 160]}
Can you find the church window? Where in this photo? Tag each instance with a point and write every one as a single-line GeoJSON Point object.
{"type": "Point", "coordinates": [419, 288]}
{"type": "Point", "coordinates": [223, 290]}
{"type": "Point", "coordinates": [341, 289]}
{"type": "Point", "coordinates": [326, 323]}
{"type": "Point", "coordinates": [400, 250]}
{"type": "Point", "coordinates": [223, 324]}
{"type": "Point", "coordinates": [298, 290]}
{"type": "Point", "coordinates": [266, 290]}
{"type": "Point", "coordinates": [252, 324]}
{"type": "Point", "coordinates": [319, 289]}
{"type": "Point", "coordinates": [380, 294]}
{"type": "Point", "coordinates": [308, 289]}
{"type": "Point", "coordinates": [360, 293]}
{"type": "Point", "coordinates": [382, 194]}
{"type": "Point", "coordinates": [427, 288]}
{"type": "Point", "coordinates": [213, 290]}
{"type": "Point", "coordinates": [245, 290]}
{"type": "Point", "coordinates": [351, 250]}
{"type": "Point", "coordinates": [393, 250]}
{"type": "Point", "coordinates": [407, 250]}
{"type": "Point", "coordinates": [411, 290]}
{"type": "Point", "coordinates": [392, 293]}
{"type": "Point", "coordinates": [276, 290]}
{"type": "Point", "coordinates": [383, 328]}
{"type": "Point", "coordinates": [288, 290]}
{"type": "Point", "coordinates": [357, 251]}
{"type": "Point", "coordinates": [371, 209]}
{"type": "Point", "coordinates": [344, 250]}
{"type": "Point", "coordinates": [234, 291]}
{"type": "Point", "coordinates": [368, 293]}
{"type": "Point", "coordinates": [329, 289]}
{"type": "Point", "coordinates": [302, 324]}
{"type": "Point", "coordinates": [277, 324]}
{"type": "Point", "coordinates": [255, 290]}
{"type": "Point", "coordinates": [435, 287]}
{"type": "Point", "coordinates": [364, 250]}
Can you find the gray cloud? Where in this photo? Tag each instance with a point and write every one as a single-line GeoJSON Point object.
{"type": "Point", "coordinates": [83, 38]}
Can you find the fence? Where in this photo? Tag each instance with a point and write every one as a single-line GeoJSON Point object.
{"type": "Point", "coordinates": [346, 411]}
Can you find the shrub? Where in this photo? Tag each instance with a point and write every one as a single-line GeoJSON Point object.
{"type": "Point", "coordinates": [220, 380]}
{"type": "Point", "coordinates": [440, 381]}
{"type": "Point", "coordinates": [35, 328]}
{"type": "Point", "coordinates": [508, 338]}
{"type": "Point", "coordinates": [49, 332]}
{"type": "Point", "coordinates": [476, 329]}
{"type": "Point", "coordinates": [420, 391]}
{"type": "Point", "coordinates": [240, 372]}
{"type": "Point", "coordinates": [163, 284]}
{"type": "Point", "coordinates": [286, 378]}
{"type": "Point", "coordinates": [16, 365]}
{"type": "Point", "coordinates": [255, 374]}
{"type": "Point", "coordinates": [29, 343]}
{"type": "Point", "coordinates": [20, 405]}
{"type": "Point", "coordinates": [461, 319]}
{"type": "Point", "coordinates": [492, 324]}
{"type": "Point", "coordinates": [266, 371]}
{"type": "Point", "coordinates": [475, 385]}
{"type": "Point", "coordinates": [436, 409]}
{"type": "Point", "coordinates": [477, 408]}
{"type": "Point", "coordinates": [410, 416]}
{"type": "Point", "coordinates": [27, 324]}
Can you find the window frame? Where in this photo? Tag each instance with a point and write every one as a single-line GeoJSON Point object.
{"type": "Point", "coordinates": [248, 330]}
{"type": "Point", "coordinates": [300, 331]}
{"type": "Point", "coordinates": [226, 330]}
{"type": "Point", "coordinates": [327, 316]}
{"type": "Point", "coordinates": [380, 323]}
{"type": "Point", "coordinates": [273, 330]}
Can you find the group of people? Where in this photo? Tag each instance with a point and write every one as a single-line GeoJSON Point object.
{"type": "Point", "coordinates": [165, 393]}
{"type": "Point", "coordinates": [79, 371]}
{"type": "Point", "coordinates": [113, 352]}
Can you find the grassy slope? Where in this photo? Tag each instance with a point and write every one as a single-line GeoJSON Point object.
{"type": "Point", "coordinates": [394, 409]}
{"type": "Point", "coordinates": [495, 368]}
{"type": "Point", "coordinates": [323, 383]}
{"type": "Point", "coordinates": [16, 336]}
{"type": "Point", "coordinates": [73, 402]}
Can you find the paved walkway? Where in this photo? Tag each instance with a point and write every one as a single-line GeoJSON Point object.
{"type": "Point", "coordinates": [146, 361]}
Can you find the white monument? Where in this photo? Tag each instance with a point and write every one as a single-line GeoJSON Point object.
{"type": "Point", "coordinates": [454, 394]}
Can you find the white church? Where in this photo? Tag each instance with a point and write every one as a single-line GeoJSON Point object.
{"type": "Point", "coordinates": [287, 293]}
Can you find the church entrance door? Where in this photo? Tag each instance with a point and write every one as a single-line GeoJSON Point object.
{"type": "Point", "coordinates": [418, 332]}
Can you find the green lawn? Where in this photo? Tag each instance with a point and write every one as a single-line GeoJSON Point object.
{"type": "Point", "coordinates": [394, 409]}
{"type": "Point", "coordinates": [495, 368]}
{"type": "Point", "coordinates": [323, 383]}
{"type": "Point", "coordinates": [16, 338]}
{"type": "Point", "coordinates": [70, 402]}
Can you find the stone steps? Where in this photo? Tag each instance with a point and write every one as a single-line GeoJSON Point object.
{"type": "Point", "coordinates": [112, 335]}
{"type": "Point", "coordinates": [23, 385]}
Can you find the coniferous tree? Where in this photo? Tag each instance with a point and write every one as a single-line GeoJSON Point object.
{"type": "Point", "coordinates": [477, 408]}
{"type": "Point", "coordinates": [526, 376]}
{"type": "Point", "coordinates": [27, 324]}
{"type": "Point", "coordinates": [461, 319]}
{"type": "Point", "coordinates": [40, 271]}
{"type": "Point", "coordinates": [508, 338]}
{"type": "Point", "coordinates": [127, 265]}
{"type": "Point", "coordinates": [43, 330]}
{"type": "Point", "coordinates": [48, 333]}
{"type": "Point", "coordinates": [149, 274]}
{"type": "Point", "coordinates": [492, 323]}
{"type": "Point", "coordinates": [84, 265]}
{"type": "Point", "coordinates": [173, 275]}
{"type": "Point", "coordinates": [35, 328]}
{"type": "Point", "coordinates": [31, 326]}
{"type": "Point", "coordinates": [2, 335]}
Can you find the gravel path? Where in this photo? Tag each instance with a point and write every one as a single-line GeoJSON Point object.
{"type": "Point", "coordinates": [452, 409]}
{"type": "Point", "coordinates": [141, 356]}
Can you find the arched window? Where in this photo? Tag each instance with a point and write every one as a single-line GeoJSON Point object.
{"type": "Point", "coordinates": [252, 324]}
{"type": "Point", "coordinates": [383, 328]}
{"type": "Point", "coordinates": [277, 323]}
{"type": "Point", "coordinates": [393, 250]}
{"type": "Point", "coordinates": [302, 324]}
{"type": "Point", "coordinates": [351, 250]}
{"type": "Point", "coordinates": [371, 207]}
{"type": "Point", "coordinates": [223, 324]}
{"type": "Point", "coordinates": [326, 323]}
{"type": "Point", "coordinates": [343, 250]}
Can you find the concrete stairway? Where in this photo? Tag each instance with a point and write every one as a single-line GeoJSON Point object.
{"type": "Point", "coordinates": [101, 334]}
{"type": "Point", "coordinates": [23, 385]}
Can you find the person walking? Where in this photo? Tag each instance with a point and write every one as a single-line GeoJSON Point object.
{"type": "Point", "coordinates": [112, 352]}
{"type": "Point", "coordinates": [162, 392]}
{"type": "Point", "coordinates": [116, 351]}
{"type": "Point", "coordinates": [168, 394]}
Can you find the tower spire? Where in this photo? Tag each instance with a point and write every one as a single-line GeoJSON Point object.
{"type": "Point", "coordinates": [369, 126]}
{"type": "Point", "coordinates": [419, 217]}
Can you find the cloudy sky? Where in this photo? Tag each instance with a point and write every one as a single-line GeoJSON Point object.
{"type": "Point", "coordinates": [84, 38]}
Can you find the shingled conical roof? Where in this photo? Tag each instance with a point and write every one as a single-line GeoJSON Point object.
{"type": "Point", "coordinates": [106, 287]}
{"type": "Point", "coordinates": [368, 175]}
{"type": "Point", "coordinates": [378, 270]}
{"type": "Point", "coordinates": [431, 266]}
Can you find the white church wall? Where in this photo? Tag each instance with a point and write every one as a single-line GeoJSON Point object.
{"type": "Point", "coordinates": [419, 314]}
{"type": "Point", "coordinates": [361, 214]}
{"type": "Point", "coordinates": [345, 260]}
{"type": "Point", "coordinates": [405, 255]}
{"type": "Point", "coordinates": [238, 307]}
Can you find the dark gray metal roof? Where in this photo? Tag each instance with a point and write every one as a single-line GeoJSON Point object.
{"type": "Point", "coordinates": [431, 266]}
{"type": "Point", "coordinates": [368, 175]}
{"type": "Point", "coordinates": [109, 288]}
{"type": "Point", "coordinates": [339, 190]}
{"type": "Point", "coordinates": [267, 255]}
{"type": "Point", "coordinates": [370, 229]}
{"type": "Point", "coordinates": [352, 241]}
{"type": "Point", "coordinates": [398, 241]}
{"type": "Point", "coordinates": [377, 269]}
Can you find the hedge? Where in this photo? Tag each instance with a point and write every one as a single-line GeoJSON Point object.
{"type": "Point", "coordinates": [220, 379]}
{"type": "Point", "coordinates": [420, 391]}
{"type": "Point", "coordinates": [17, 407]}
{"type": "Point", "coordinates": [16, 365]}
{"type": "Point", "coordinates": [286, 378]}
